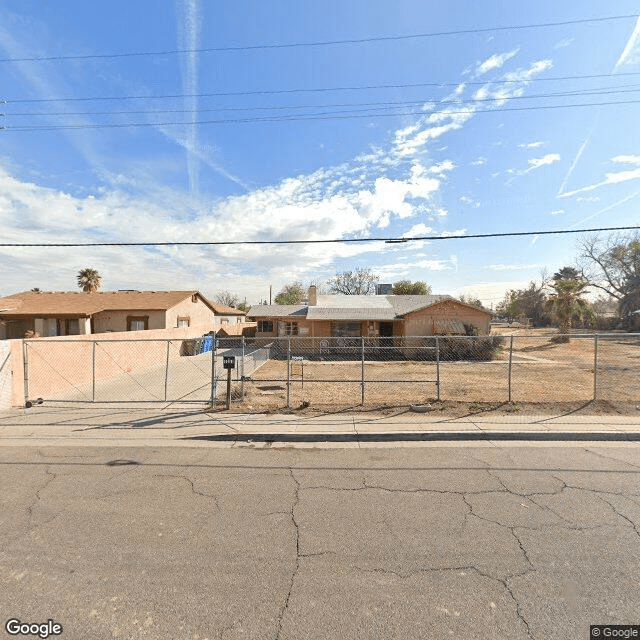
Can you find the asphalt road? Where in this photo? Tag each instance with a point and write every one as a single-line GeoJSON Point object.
{"type": "Point", "coordinates": [395, 543]}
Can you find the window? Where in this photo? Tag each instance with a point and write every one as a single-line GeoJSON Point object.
{"type": "Point", "coordinates": [345, 329]}
{"type": "Point", "coordinates": [68, 327]}
{"type": "Point", "coordinates": [290, 328]}
{"type": "Point", "coordinates": [265, 326]}
{"type": "Point", "coordinates": [137, 323]}
{"type": "Point", "coordinates": [184, 321]}
{"type": "Point", "coordinates": [224, 321]}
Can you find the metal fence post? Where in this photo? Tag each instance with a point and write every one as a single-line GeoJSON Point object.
{"type": "Point", "coordinates": [438, 368]}
{"type": "Point", "coordinates": [25, 370]}
{"type": "Point", "coordinates": [595, 367]}
{"type": "Point", "coordinates": [288, 372]}
{"type": "Point", "coordinates": [242, 373]}
{"type": "Point", "coordinates": [510, 359]}
{"type": "Point", "coordinates": [214, 382]}
{"type": "Point", "coordinates": [93, 372]}
{"type": "Point", "coordinates": [362, 357]}
{"type": "Point", "coordinates": [166, 371]}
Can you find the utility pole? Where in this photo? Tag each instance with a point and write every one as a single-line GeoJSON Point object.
{"type": "Point", "coordinates": [270, 293]}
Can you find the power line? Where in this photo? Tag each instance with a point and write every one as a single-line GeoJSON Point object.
{"type": "Point", "coordinates": [220, 94]}
{"type": "Point", "coordinates": [351, 41]}
{"type": "Point", "coordinates": [389, 240]}
{"type": "Point", "coordinates": [381, 104]}
{"type": "Point", "coordinates": [336, 115]}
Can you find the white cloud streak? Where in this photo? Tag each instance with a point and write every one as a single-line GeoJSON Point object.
{"type": "Point", "coordinates": [574, 164]}
{"type": "Point", "coordinates": [531, 145]}
{"type": "Point", "coordinates": [188, 37]}
{"type": "Point", "coordinates": [496, 61]}
{"type": "Point", "coordinates": [631, 51]}
{"type": "Point", "coordinates": [610, 178]}
{"type": "Point", "coordinates": [626, 159]}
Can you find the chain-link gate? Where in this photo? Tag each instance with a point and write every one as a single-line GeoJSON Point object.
{"type": "Point", "coordinates": [131, 371]}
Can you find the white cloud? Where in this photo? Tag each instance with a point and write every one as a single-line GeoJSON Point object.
{"type": "Point", "coordinates": [441, 167]}
{"type": "Point", "coordinates": [454, 234]}
{"type": "Point", "coordinates": [514, 267]}
{"type": "Point", "coordinates": [606, 209]}
{"type": "Point", "coordinates": [420, 229]}
{"type": "Point", "coordinates": [550, 158]}
{"type": "Point", "coordinates": [574, 164]}
{"type": "Point", "coordinates": [188, 34]}
{"type": "Point", "coordinates": [468, 201]}
{"type": "Point", "coordinates": [411, 140]}
{"type": "Point", "coordinates": [565, 42]}
{"type": "Point", "coordinates": [631, 52]}
{"type": "Point", "coordinates": [495, 62]}
{"type": "Point", "coordinates": [526, 74]}
{"type": "Point", "coordinates": [478, 162]}
{"type": "Point", "coordinates": [535, 163]}
{"type": "Point", "coordinates": [398, 269]}
{"type": "Point", "coordinates": [531, 145]}
{"type": "Point", "coordinates": [610, 178]}
{"type": "Point", "coordinates": [557, 212]}
{"type": "Point", "coordinates": [626, 159]}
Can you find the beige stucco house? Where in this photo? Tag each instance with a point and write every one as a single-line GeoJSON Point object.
{"type": "Point", "coordinates": [370, 316]}
{"type": "Point", "coordinates": [79, 313]}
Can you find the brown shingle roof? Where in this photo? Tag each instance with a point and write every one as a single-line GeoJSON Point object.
{"type": "Point", "coordinates": [86, 304]}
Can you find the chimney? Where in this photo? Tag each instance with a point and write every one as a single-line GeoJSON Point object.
{"type": "Point", "coordinates": [313, 295]}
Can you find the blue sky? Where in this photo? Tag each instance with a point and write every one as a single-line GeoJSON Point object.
{"type": "Point", "coordinates": [458, 144]}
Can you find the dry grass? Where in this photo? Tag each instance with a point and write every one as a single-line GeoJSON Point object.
{"type": "Point", "coordinates": [545, 376]}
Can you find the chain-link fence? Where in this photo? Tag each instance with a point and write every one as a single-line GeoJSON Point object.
{"type": "Point", "coordinates": [337, 373]}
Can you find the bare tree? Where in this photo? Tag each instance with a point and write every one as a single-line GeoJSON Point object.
{"type": "Point", "coordinates": [227, 298]}
{"type": "Point", "coordinates": [471, 301]}
{"type": "Point", "coordinates": [612, 264]}
{"type": "Point", "coordinates": [362, 281]}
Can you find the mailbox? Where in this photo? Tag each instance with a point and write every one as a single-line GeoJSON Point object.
{"type": "Point", "coordinates": [229, 362]}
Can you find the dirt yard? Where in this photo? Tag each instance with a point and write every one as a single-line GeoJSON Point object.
{"type": "Point", "coordinates": [545, 377]}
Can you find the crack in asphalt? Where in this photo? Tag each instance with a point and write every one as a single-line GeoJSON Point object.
{"type": "Point", "coordinates": [503, 582]}
{"type": "Point", "coordinates": [631, 522]}
{"type": "Point", "coordinates": [30, 507]}
{"type": "Point", "coordinates": [602, 455]}
{"type": "Point", "coordinates": [29, 526]}
{"type": "Point", "coordinates": [193, 489]}
{"type": "Point", "coordinates": [296, 501]}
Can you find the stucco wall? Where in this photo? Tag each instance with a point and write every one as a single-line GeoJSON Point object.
{"type": "Point", "coordinates": [197, 312]}
{"type": "Point", "coordinates": [59, 365]}
{"type": "Point", "coordinates": [435, 319]}
{"type": "Point", "coordinates": [5, 374]}
{"type": "Point", "coordinates": [116, 321]}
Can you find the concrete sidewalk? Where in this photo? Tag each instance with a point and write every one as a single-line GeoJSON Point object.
{"type": "Point", "coordinates": [188, 425]}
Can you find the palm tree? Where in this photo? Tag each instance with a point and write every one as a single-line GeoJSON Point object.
{"type": "Point", "coordinates": [566, 303]}
{"type": "Point", "coordinates": [89, 280]}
